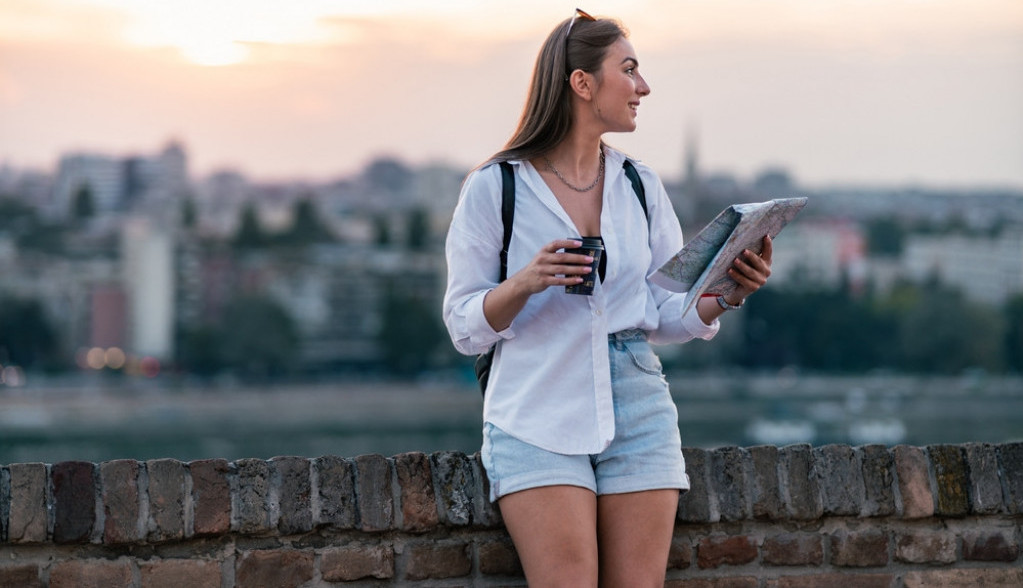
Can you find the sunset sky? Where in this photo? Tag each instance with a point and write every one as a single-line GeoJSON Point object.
{"type": "Point", "coordinates": [863, 91]}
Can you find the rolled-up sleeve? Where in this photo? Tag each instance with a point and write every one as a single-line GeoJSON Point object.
{"type": "Point", "coordinates": [473, 249]}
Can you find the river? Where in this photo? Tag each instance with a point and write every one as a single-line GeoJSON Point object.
{"type": "Point", "coordinates": [102, 418]}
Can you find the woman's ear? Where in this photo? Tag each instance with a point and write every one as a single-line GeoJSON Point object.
{"type": "Point", "coordinates": [582, 83]}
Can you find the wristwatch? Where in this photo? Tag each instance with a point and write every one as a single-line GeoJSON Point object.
{"type": "Point", "coordinates": [726, 306]}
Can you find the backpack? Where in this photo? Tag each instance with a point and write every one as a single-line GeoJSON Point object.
{"type": "Point", "coordinates": [485, 359]}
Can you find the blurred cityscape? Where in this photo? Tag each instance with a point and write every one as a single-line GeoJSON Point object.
{"type": "Point", "coordinates": [125, 277]}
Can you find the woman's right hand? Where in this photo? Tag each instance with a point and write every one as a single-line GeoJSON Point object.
{"type": "Point", "coordinates": [550, 267]}
{"type": "Point", "coordinates": [553, 267]}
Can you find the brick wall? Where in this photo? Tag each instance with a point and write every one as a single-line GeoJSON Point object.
{"type": "Point", "coordinates": [759, 517]}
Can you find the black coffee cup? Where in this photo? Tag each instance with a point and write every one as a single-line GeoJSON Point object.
{"type": "Point", "coordinates": [594, 247]}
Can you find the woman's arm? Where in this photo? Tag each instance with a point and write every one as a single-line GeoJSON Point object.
{"type": "Point", "coordinates": [550, 267]}
{"type": "Point", "coordinates": [750, 274]}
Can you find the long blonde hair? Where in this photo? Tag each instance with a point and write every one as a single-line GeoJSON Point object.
{"type": "Point", "coordinates": [547, 115]}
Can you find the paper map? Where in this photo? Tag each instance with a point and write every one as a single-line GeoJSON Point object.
{"type": "Point", "coordinates": [702, 265]}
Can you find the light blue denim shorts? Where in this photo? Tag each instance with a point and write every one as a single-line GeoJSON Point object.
{"type": "Point", "coordinates": [645, 454]}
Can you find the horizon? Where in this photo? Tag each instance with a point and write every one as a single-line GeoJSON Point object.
{"type": "Point", "coordinates": [911, 92]}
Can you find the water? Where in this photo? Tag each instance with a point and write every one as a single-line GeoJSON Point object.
{"type": "Point", "coordinates": [102, 420]}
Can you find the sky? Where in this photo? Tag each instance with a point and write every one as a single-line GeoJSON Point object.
{"type": "Point", "coordinates": [837, 91]}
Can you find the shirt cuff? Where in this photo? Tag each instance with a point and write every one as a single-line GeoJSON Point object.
{"type": "Point", "coordinates": [692, 323]}
{"type": "Point", "coordinates": [480, 328]}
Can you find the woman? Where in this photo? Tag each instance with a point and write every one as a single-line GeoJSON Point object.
{"type": "Point", "coordinates": [581, 442]}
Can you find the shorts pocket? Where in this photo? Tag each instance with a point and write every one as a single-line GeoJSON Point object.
{"type": "Point", "coordinates": [643, 357]}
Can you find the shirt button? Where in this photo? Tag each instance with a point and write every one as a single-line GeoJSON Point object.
{"type": "Point", "coordinates": [599, 312]}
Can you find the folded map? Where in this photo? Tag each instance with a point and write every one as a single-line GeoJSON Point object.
{"type": "Point", "coordinates": [701, 267]}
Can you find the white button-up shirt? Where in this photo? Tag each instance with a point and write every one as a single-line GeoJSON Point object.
{"type": "Point", "coordinates": [550, 384]}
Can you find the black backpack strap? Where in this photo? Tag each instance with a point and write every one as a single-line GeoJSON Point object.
{"type": "Point", "coordinates": [637, 184]}
{"type": "Point", "coordinates": [508, 212]}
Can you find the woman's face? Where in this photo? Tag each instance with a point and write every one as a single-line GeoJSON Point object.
{"type": "Point", "coordinates": [619, 88]}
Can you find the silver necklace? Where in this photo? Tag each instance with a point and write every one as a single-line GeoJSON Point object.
{"type": "Point", "coordinates": [600, 173]}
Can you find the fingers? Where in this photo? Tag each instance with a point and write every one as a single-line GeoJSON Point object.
{"type": "Point", "coordinates": [768, 250]}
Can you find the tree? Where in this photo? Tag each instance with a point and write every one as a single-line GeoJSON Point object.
{"type": "Point", "coordinates": [27, 337]}
{"type": "Point", "coordinates": [83, 204]}
{"type": "Point", "coordinates": [1014, 333]}
{"type": "Point", "coordinates": [410, 333]}
{"type": "Point", "coordinates": [260, 339]}
{"type": "Point", "coordinates": [885, 237]}
{"type": "Point", "coordinates": [381, 231]}
{"type": "Point", "coordinates": [306, 227]}
{"type": "Point", "coordinates": [418, 229]}
{"type": "Point", "coordinates": [250, 233]}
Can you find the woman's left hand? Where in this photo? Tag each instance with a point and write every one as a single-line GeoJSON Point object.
{"type": "Point", "coordinates": [750, 271]}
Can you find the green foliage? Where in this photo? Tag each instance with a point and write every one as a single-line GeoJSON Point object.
{"type": "Point", "coordinates": [418, 229]}
{"type": "Point", "coordinates": [411, 331]}
{"type": "Point", "coordinates": [306, 228]}
{"type": "Point", "coordinates": [885, 237]}
{"type": "Point", "coordinates": [189, 215]}
{"type": "Point", "coordinates": [250, 233]}
{"type": "Point", "coordinates": [27, 337]}
{"type": "Point", "coordinates": [255, 339]}
{"type": "Point", "coordinates": [1014, 333]}
{"type": "Point", "coordinates": [83, 203]}
{"type": "Point", "coordinates": [925, 329]}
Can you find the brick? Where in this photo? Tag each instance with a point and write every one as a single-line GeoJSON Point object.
{"type": "Point", "coordinates": [252, 498]}
{"type": "Point", "coordinates": [715, 551]}
{"type": "Point", "coordinates": [74, 501]}
{"type": "Point", "coordinates": [680, 554]}
{"type": "Point", "coordinates": [925, 547]}
{"type": "Point", "coordinates": [499, 558]}
{"type": "Point", "coordinates": [914, 482]}
{"type": "Point", "coordinates": [859, 549]}
{"type": "Point", "coordinates": [804, 497]}
{"type": "Point", "coordinates": [375, 501]}
{"type": "Point", "coordinates": [211, 496]}
{"type": "Point", "coordinates": [878, 481]}
{"type": "Point", "coordinates": [793, 549]}
{"type": "Point", "coordinates": [456, 487]}
{"type": "Point", "coordinates": [990, 546]}
{"type": "Point", "coordinates": [20, 576]}
{"type": "Point", "coordinates": [166, 499]}
{"type": "Point", "coordinates": [829, 580]}
{"type": "Point", "coordinates": [295, 496]}
{"type": "Point", "coordinates": [985, 488]}
{"type": "Point", "coordinates": [273, 568]}
{"type": "Point", "coordinates": [28, 513]}
{"type": "Point", "coordinates": [91, 573]}
{"type": "Point", "coordinates": [120, 493]}
{"type": "Point", "coordinates": [5, 502]}
{"type": "Point", "coordinates": [965, 578]}
{"type": "Point", "coordinates": [357, 562]}
{"type": "Point", "coordinates": [840, 479]}
{"type": "Point", "coordinates": [336, 489]}
{"type": "Point", "coordinates": [418, 502]}
{"type": "Point", "coordinates": [767, 503]}
{"type": "Point", "coordinates": [1010, 464]}
{"type": "Point", "coordinates": [728, 479]}
{"type": "Point", "coordinates": [951, 480]}
{"type": "Point", "coordinates": [487, 513]}
{"type": "Point", "coordinates": [434, 561]}
{"type": "Point", "coordinates": [180, 573]}
{"type": "Point", "coordinates": [694, 505]}
{"type": "Point", "coordinates": [735, 582]}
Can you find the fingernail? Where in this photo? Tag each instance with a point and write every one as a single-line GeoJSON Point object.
{"type": "Point", "coordinates": [589, 259]}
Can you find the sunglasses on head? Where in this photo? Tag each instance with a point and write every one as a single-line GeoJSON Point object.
{"type": "Point", "coordinates": [579, 13]}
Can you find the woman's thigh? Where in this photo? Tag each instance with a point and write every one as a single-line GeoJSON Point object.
{"type": "Point", "coordinates": [635, 531]}
{"type": "Point", "coordinates": [554, 529]}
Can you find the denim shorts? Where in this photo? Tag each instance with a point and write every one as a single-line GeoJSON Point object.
{"type": "Point", "coordinates": [645, 454]}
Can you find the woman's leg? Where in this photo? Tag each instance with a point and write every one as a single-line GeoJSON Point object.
{"type": "Point", "coordinates": [634, 534]}
{"type": "Point", "coordinates": [554, 529]}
